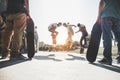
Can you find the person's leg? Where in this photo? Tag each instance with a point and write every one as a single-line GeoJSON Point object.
{"type": "Point", "coordinates": [106, 24]}
{"type": "Point", "coordinates": [1, 21]}
{"type": "Point", "coordinates": [18, 27]}
{"type": "Point", "coordinates": [70, 37]}
{"type": "Point", "coordinates": [81, 45]}
{"type": "Point", "coordinates": [85, 41]}
{"type": "Point", "coordinates": [6, 37]}
{"type": "Point", "coordinates": [2, 27]}
{"type": "Point", "coordinates": [116, 30]}
{"type": "Point", "coordinates": [81, 41]}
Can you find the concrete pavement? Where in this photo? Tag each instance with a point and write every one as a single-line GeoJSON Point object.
{"type": "Point", "coordinates": [57, 66]}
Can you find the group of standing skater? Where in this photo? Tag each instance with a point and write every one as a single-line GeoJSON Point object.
{"type": "Point", "coordinates": [17, 14]}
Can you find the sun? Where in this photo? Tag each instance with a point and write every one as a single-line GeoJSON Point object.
{"type": "Point", "coordinates": [62, 35]}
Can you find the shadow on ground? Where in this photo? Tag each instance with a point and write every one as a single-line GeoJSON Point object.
{"type": "Point", "coordinates": [7, 63]}
{"type": "Point", "coordinates": [46, 57]}
{"type": "Point", "coordinates": [75, 57]}
{"type": "Point", "coordinates": [108, 67]}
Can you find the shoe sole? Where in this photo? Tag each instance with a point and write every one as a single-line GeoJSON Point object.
{"type": "Point", "coordinates": [106, 63]}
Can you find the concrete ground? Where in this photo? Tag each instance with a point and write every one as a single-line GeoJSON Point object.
{"type": "Point", "coordinates": [57, 66]}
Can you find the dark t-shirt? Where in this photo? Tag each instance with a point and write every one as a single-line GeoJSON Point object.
{"type": "Point", "coordinates": [83, 30]}
{"type": "Point", "coordinates": [15, 6]}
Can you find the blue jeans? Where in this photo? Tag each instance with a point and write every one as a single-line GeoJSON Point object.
{"type": "Point", "coordinates": [109, 24]}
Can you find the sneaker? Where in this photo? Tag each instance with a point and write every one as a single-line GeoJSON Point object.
{"type": "Point", "coordinates": [18, 57]}
{"type": "Point", "coordinates": [81, 50]}
{"type": "Point", "coordinates": [105, 61]}
{"type": "Point", "coordinates": [29, 58]}
{"type": "Point", "coordinates": [5, 54]}
{"type": "Point", "coordinates": [118, 60]}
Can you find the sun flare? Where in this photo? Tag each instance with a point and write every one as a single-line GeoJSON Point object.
{"type": "Point", "coordinates": [62, 35]}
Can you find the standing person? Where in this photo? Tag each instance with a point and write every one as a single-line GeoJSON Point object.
{"type": "Point", "coordinates": [109, 16]}
{"type": "Point", "coordinates": [84, 32]}
{"type": "Point", "coordinates": [15, 24]}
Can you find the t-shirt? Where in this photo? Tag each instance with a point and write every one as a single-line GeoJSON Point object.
{"type": "Point", "coordinates": [15, 6]}
{"type": "Point", "coordinates": [70, 30]}
{"type": "Point", "coordinates": [82, 28]}
{"type": "Point", "coordinates": [111, 9]}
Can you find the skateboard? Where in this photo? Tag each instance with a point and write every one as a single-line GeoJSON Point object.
{"type": "Point", "coordinates": [30, 38]}
{"type": "Point", "coordinates": [94, 43]}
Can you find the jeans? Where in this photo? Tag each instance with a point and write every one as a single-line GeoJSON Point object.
{"type": "Point", "coordinates": [109, 24]}
{"type": "Point", "coordinates": [81, 41]}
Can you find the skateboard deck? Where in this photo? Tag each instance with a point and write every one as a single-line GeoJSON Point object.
{"type": "Point", "coordinates": [94, 43]}
{"type": "Point", "coordinates": [30, 38]}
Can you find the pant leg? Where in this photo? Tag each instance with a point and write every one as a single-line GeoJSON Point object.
{"type": "Point", "coordinates": [116, 31]}
{"type": "Point", "coordinates": [85, 41]}
{"type": "Point", "coordinates": [6, 36]}
{"type": "Point", "coordinates": [106, 25]}
{"type": "Point", "coordinates": [1, 20]}
{"type": "Point", "coordinates": [19, 24]}
{"type": "Point", "coordinates": [81, 41]}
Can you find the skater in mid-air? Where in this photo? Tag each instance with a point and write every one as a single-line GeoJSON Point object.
{"type": "Point", "coordinates": [70, 33]}
{"type": "Point", "coordinates": [52, 28]}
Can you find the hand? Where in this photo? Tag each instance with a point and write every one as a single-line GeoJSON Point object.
{"type": "Point", "coordinates": [98, 20]}
{"type": "Point", "coordinates": [75, 32]}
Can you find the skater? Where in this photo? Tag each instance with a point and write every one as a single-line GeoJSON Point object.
{"type": "Point", "coordinates": [109, 17]}
{"type": "Point", "coordinates": [84, 32]}
{"type": "Point", "coordinates": [52, 27]}
{"type": "Point", "coordinates": [15, 22]}
{"type": "Point", "coordinates": [70, 33]}
{"type": "Point", "coordinates": [54, 33]}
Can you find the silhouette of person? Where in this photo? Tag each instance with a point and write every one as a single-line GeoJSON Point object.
{"type": "Point", "coordinates": [15, 22]}
{"type": "Point", "coordinates": [109, 17]}
{"type": "Point", "coordinates": [84, 32]}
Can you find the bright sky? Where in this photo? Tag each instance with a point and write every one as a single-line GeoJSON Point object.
{"type": "Point", "coordinates": [45, 12]}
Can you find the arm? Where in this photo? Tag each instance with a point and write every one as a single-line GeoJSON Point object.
{"type": "Point", "coordinates": [73, 25]}
{"type": "Point", "coordinates": [101, 6]}
{"type": "Point", "coordinates": [27, 5]}
{"type": "Point", "coordinates": [77, 31]}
